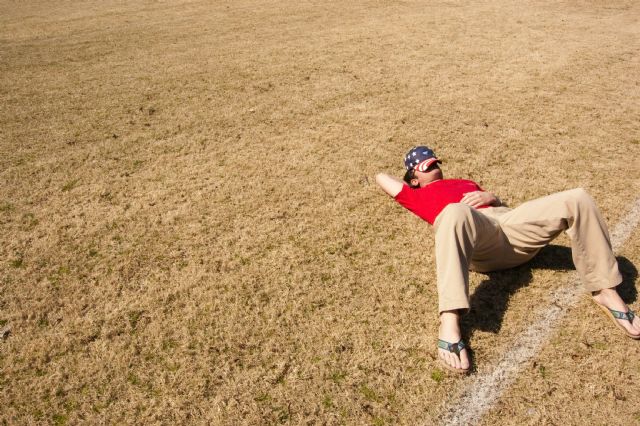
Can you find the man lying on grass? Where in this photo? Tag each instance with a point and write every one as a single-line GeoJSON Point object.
{"type": "Point", "coordinates": [474, 231]}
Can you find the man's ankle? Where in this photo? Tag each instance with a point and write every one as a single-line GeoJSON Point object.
{"type": "Point", "coordinates": [448, 316]}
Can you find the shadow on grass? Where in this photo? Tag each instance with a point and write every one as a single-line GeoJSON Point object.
{"type": "Point", "coordinates": [490, 300]}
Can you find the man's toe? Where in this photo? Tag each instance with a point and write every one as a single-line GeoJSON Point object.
{"type": "Point", "coordinates": [632, 328]}
{"type": "Point", "coordinates": [450, 361]}
{"type": "Point", "coordinates": [455, 361]}
{"type": "Point", "coordinates": [464, 363]}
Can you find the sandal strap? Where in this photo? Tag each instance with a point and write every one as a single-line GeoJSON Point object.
{"type": "Point", "coordinates": [451, 347]}
{"type": "Point", "coordinates": [629, 315]}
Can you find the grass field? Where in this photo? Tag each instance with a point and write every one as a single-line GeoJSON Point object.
{"type": "Point", "coordinates": [191, 233]}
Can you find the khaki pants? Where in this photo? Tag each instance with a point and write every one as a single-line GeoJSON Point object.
{"type": "Point", "coordinates": [498, 238]}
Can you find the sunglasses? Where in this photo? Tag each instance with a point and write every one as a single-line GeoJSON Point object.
{"type": "Point", "coordinates": [431, 167]}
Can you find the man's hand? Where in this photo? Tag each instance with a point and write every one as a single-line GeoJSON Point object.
{"type": "Point", "coordinates": [480, 198]}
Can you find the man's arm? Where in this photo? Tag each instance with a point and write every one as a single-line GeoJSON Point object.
{"type": "Point", "coordinates": [389, 184]}
{"type": "Point", "coordinates": [481, 198]}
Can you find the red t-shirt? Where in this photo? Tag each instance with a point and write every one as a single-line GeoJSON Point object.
{"type": "Point", "coordinates": [429, 201]}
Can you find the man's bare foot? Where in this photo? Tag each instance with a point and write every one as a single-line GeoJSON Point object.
{"type": "Point", "coordinates": [609, 298]}
{"type": "Point", "coordinates": [450, 332]}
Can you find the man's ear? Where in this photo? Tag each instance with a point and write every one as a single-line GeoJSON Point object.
{"type": "Point", "coordinates": [415, 183]}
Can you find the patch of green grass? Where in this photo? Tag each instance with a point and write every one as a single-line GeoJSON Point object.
{"type": "Point", "coordinates": [391, 397]}
{"type": "Point", "coordinates": [69, 185]}
{"type": "Point", "coordinates": [172, 366]}
{"type": "Point", "coordinates": [420, 288]}
{"type": "Point", "coordinates": [59, 419]}
{"type": "Point", "coordinates": [600, 345]}
{"type": "Point", "coordinates": [134, 317]}
{"type": "Point", "coordinates": [84, 389]}
{"type": "Point", "coordinates": [338, 376]}
{"type": "Point", "coordinates": [70, 406]}
{"type": "Point", "coordinates": [168, 344]}
{"type": "Point", "coordinates": [43, 321]}
{"type": "Point", "coordinates": [113, 225]}
{"type": "Point", "coordinates": [133, 379]}
{"type": "Point", "coordinates": [138, 409]}
{"type": "Point", "coordinates": [437, 375]}
{"type": "Point", "coordinates": [6, 207]}
{"type": "Point", "coordinates": [543, 371]}
{"type": "Point", "coordinates": [17, 263]}
{"type": "Point", "coordinates": [150, 356]}
{"type": "Point", "coordinates": [29, 220]}
{"type": "Point", "coordinates": [93, 252]}
{"type": "Point", "coordinates": [263, 397]}
{"type": "Point", "coordinates": [369, 394]}
{"type": "Point", "coordinates": [377, 421]}
{"type": "Point", "coordinates": [56, 276]}
{"type": "Point", "coordinates": [3, 322]}
{"type": "Point", "coordinates": [327, 402]}
{"type": "Point", "coordinates": [283, 414]}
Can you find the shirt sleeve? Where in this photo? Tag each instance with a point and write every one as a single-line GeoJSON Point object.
{"type": "Point", "coordinates": [407, 198]}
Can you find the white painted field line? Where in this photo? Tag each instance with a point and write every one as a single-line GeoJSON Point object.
{"type": "Point", "coordinates": [484, 389]}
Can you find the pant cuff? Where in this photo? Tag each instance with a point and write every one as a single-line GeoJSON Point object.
{"type": "Point", "coordinates": [463, 306]}
{"type": "Point", "coordinates": [614, 280]}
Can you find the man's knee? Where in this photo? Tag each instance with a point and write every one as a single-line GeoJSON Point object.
{"type": "Point", "coordinates": [454, 214]}
{"type": "Point", "coordinates": [581, 197]}
{"type": "Point", "coordinates": [457, 210]}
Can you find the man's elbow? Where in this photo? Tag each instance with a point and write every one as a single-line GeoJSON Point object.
{"type": "Point", "coordinates": [388, 184]}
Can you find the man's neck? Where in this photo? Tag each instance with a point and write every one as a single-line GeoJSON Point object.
{"type": "Point", "coordinates": [429, 183]}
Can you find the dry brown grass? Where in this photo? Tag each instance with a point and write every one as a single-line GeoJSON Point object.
{"type": "Point", "coordinates": [190, 232]}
